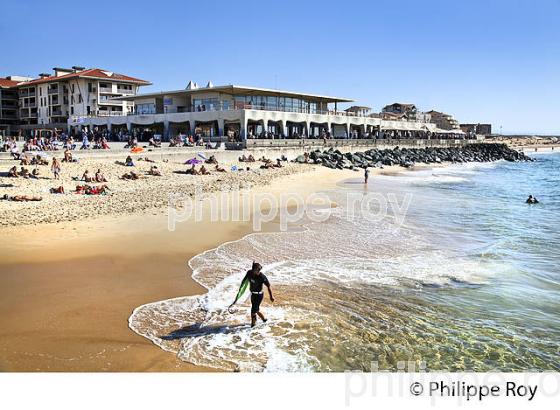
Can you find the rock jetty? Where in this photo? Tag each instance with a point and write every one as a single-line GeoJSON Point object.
{"type": "Point", "coordinates": [407, 157]}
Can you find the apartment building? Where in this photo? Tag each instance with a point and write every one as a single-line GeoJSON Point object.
{"type": "Point", "coordinates": [480, 129]}
{"type": "Point", "coordinates": [399, 111]}
{"type": "Point", "coordinates": [8, 105]}
{"type": "Point", "coordinates": [444, 121]}
{"type": "Point", "coordinates": [51, 99]}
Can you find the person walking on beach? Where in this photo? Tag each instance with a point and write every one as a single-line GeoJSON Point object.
{"type": "Point", "coordinates": [256, 281]}
{"type": "Point", "coordinates": [55, 168]}
{"type": "Point", "coordinates": [366, 175]}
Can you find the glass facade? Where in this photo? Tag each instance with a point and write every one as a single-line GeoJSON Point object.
{"type": "Point", "coordinates": [209, 104]}
{"type": "Point", "coordinates": [145, 108]}
{"type": "Point", "coordinates": [274, 103]}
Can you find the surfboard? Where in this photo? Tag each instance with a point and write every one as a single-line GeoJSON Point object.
{"type": "Point", "coordinates": [240, 292]}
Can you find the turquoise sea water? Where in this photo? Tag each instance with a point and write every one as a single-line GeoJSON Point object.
{"type": "Point", "coordinates": [469, 282]}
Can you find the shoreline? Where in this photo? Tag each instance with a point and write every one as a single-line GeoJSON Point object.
{"type": "Point", "coordinates": [78, 301]}
{"type": "Point", "coordinates": [66, 301]}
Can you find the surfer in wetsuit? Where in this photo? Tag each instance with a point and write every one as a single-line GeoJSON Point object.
{"type": "Point", "coordinates": [532, 200]}
{"type": "Point", "coordinates": [256, 282]}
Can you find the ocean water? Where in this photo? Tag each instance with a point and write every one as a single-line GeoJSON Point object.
{"type": "Point", "coordinates": [467, 279]}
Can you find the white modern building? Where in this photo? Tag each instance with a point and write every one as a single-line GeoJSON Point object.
{"type": "Point", "coordinates": [239, 113]}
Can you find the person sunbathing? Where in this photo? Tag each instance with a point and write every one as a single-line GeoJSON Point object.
{"type": "Point", "coordinates": [220, 169]}
{"type": "Point", "coordinates": [128, 162]}
{"type": "Point", "coordinates": [267, 164]}
{"type": "Point", "coordinates": [243, 158]}
{"type": "Point", "coordinates": [35, 173]}
{"type": "Point", "coordinates": [212, 160]}
{"type": "Point", "coordinates": [154, 171]}
{"type": "Point", "coordinates": [13, 172]}
{"type": "Point", "coordinates": [97, 190]}
{"type": "Point", "coordinates": [250, 158]}
{"type": "Point", "coordinates": [192, 171]}
{"type": "Point", "coordinates": [22, 198]}
{"type": "Point", "coordinates": [278, 164]}
{"type": "Point", "coordinates": [148, 159]}
{"type": "Point", "coordinates": [99, 177]}
{"type": "Point", "coordinates": [24, 172]}
{"type": "Point", "coordinates": [154, 143]}
{"type": "Point", "coordinates": [204, 171]}
{"type": "Point", "coordinates": [59, 190]}
{"type": "Point", "coordinates": [39, 161]}
{"type": "Point", "coordinates": [130, 176]}
{"type": "Point", "coordinates": [91, 190]}
{"type": "Point", "coordinates": [86, 177]}
{"type": "Point", "coordinates": [25, 161]}
{"type": "Point", "coordinates": [67, 156]}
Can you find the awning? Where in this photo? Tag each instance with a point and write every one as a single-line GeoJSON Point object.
{"type": "Point", "coordinates": [407, 126]}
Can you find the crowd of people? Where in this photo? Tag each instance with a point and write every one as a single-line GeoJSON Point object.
{"type": "Point", "coordinates": [32, 158]}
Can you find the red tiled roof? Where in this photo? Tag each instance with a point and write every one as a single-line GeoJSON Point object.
{"type": "Point", "coordinates": [89, 73]}
{"type": "Point", "coordinates": [5, 83]}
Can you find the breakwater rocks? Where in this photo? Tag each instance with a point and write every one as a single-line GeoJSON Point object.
{"type": "Point", "coordinates": [407, 157]}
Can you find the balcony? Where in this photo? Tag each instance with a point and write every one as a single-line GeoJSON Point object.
{"type": "Point", "coordinates": [56, 113]}
{"type": "Point", "coordinates": [9, 114]}
{"type": "Point", "coordinates": [53, 90]}
{"type": "Point", "coordinates": [125, 92]}
{"type": "Point", "coordinates": [9, 96]}
{"type": "Point", "coordinates": [107, 99]}
{"type": "Point", "coordinates": [106, 90]}
{"type": "Point", "coordinates": [27, 114]}
{"type": "Point", "coordinates": [109, 113]}
{"type": "Point", "coordinates": [27, 93]}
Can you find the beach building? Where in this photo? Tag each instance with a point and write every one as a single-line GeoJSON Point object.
{"type": "Point", "coordinates": [51, 99]}
{"type": "Point", "coordinates": [399, 111]}
{"type": "Point", "coordinates": [359, 110]}
{"type": "Point", "coordinates": [444, 121]}
{"type": "Point", "coordinates": [480, 129]}
{"type": "Point", "coordinates": [237, 113]}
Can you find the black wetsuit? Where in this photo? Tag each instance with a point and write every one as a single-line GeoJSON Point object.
{"type": "Point", "coordinates": [256, 283]}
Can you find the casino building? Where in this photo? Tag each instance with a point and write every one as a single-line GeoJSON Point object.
{"type": "Point", "coordinates": [241, 113]}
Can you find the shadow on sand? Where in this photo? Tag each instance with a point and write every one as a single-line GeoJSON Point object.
{"type": "Point", "coordinates": [197, 330]}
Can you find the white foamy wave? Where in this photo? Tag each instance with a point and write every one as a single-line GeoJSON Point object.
{"type": "Point", "coordinates": [338, 253]}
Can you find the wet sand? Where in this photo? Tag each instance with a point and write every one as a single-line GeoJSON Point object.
{"type": "Point", "coordinates": [68, 289]}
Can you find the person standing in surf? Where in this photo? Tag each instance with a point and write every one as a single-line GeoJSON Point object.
{"type": "Point", "coordinates": [256, 281]}
{"type": "Point", "coordinates": [366, 175]}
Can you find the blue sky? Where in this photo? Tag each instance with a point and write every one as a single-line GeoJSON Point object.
{"type": "Point", "coordinates": [482, 61]}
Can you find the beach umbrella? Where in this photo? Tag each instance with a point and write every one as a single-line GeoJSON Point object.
{"type": "Point", "coordinates": [201, 155]}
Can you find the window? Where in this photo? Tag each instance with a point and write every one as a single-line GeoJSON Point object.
{"type": "Point", "coordinates": [40, 91]}
{"type": "Point", "coordinates": [72, 110]}
{"type": "Point", "coordinates": [146, 108]}
{"type": "Point", "coordinates": [206, 104]}
{"type": "Point", "coordinates": [90, 87]}
{"type": "Point", "coordinates": [80, 98]}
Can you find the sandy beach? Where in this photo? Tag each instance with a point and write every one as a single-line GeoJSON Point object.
{"type": "Point", "coordinates": [68, 288]}
{"type": "Point", "coordinates": [125, 197]}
